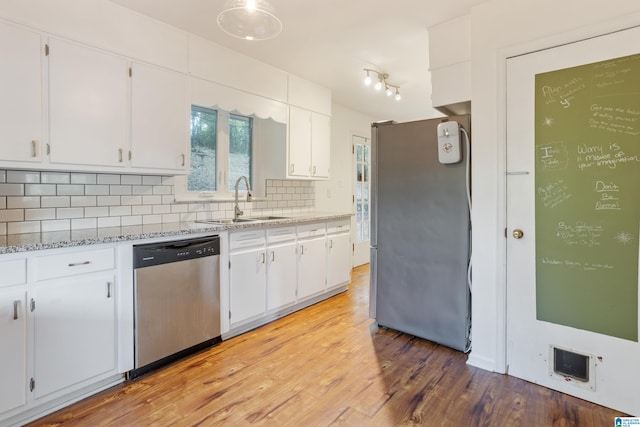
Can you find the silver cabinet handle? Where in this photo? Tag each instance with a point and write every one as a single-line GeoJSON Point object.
{"type": "Point", "coordinates": [301, 249]}
{"type": "Point", "coordinates": [120, 155]}
{"type": "Point", "coordinates": [263, 258]}
{"type": "Point", "coordinates": [16, 303]}
{"type": "Point", "coordinates": [314, 170]}
{"type": "Point", "coordinates": [330, 244]}
{"type": "Point", "coordinates": [182, 155]}
{"type": "Point", "coordinates": [292, 168]}
{"type": "Point", "coordinates": [34, 148]}
{"type": "Point", "coordinates": [76, 264]}
{"type": "Point", "coordinates": [48, 149]}
{"type": "Point", "coordinates": [273, 256]}
{"type": "Point", "coordinates": [108, 289]}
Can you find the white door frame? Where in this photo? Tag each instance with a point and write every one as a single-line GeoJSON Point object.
{"type": "Point", "coordinates": [591, 31]}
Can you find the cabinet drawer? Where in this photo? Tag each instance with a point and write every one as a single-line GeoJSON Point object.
{"type": "Point", "coordinates": [341, 226]}
{"type": "Point", "coordinates": [311, 230]}
{"type": "Point", "coordinates": [281, 234]}
{"type": "Point", "coordinates": [69, 264]}
{"type": "Point", "coordinates": [247, 239]}
{"type": "Point", "coordinates": [13, 272]}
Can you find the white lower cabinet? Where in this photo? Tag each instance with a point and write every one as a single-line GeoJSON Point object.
{"type": "Point", "coordinates": [312, 261]}
{"type": "Point", "coordinates": [74, 331]}
{"type": "Point", "coordinates": [338, 253]}
{"type": "Point", "coordinates": [281, 268]}
{"type": "Point", "coordinates": [13, 347]}
{"type": "Point", "coordinates": [247, 276]}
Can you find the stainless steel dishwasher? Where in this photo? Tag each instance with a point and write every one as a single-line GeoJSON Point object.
{"type": "Point", "coordinates": [177, 300]}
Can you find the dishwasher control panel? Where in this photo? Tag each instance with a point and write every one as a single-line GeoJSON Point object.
{"type": "Point", "coordinates": [173, 251]}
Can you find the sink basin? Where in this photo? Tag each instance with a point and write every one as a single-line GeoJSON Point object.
{"type": "Point", "coordinates": [227, 221]}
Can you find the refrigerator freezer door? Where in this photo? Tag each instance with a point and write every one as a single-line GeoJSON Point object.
{"type": "Point", "coordinates": [422, 231]}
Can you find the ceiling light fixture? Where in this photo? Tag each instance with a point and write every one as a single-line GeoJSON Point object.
{"type": "Point", "coordinates": [249, 19]}
{"type": "Point", "coordinates": [382, 82]}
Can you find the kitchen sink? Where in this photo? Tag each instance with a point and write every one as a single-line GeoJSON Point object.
{"type": "Point", "coordinates": [227, 221]}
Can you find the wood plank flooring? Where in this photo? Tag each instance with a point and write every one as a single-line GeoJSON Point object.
{"type": "Point", "coordinates": [329, 365]}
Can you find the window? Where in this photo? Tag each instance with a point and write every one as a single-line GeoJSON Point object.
{"type": "Point", "coordinates": [203, 150]}
{"type": "Point", "coordinates": [240, 148]}
{"type": "Point", "coordinates": [221, 151]}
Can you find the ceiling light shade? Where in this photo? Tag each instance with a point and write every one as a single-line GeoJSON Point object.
{"type": "Point", "coordinates": [378, 85]}
{"type": "Point", "coordinates": [367, 80]}
{"type": "Point", "coordinates": [388, 91]}
{"type": "Point", "coordinates": [398, 96]}
{"type": "Point", "coordinates": [249, 19]}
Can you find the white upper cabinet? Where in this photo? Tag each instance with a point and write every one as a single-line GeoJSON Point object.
{"type": "Point", "coordinates": [309, 144]}
{"type": "Point", "coordinates": [160, 119]}
{"type": "Point", "coordinates": [299, 142]}
{"type": "Point", "coordinates": [88, 112]}
{"type": "Point", "coordinates": [21, 100]}
{"type": "Point", "coordinates": [320, 145]}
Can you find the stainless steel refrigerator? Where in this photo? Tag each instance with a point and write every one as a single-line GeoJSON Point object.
{"type": "Point", "coordinates": [420, 231]}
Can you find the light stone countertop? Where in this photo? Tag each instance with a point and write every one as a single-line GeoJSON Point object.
{"type": "Point", "coordinates": [14, 243]}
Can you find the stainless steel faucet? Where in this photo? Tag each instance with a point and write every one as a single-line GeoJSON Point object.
{"type": "Point", "coordinates": [237, 212]}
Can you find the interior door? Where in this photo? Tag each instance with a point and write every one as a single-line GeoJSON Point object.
{"type": "Point", "coordinates": [361, 200]}
{"type": "Point", "coordinates": [575, 142]}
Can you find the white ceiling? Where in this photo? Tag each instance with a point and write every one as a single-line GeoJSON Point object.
{"type": "Point", "coordinates": [330, 41]}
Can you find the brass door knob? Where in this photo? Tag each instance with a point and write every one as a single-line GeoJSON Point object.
{"type": "Point", "coordinates": [517, 233]}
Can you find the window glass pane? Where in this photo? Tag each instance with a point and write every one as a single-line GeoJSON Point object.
{"type": "Point", "coordinates": [365, 192]}
{"type": "Point", "coordinates": [359, 152]}
{"type": "Point", "coordinates": [366, 154]}
{"type": "Point", "coordinates": [240, 140]}
{"type": "Point", "coordinates": [365, 178]}
{"type": "Point", "coordinates": [358, 212]}
{"type": "Point", "coordinates": [359, 173]}
{"type": "Point", "coordinates": [365, 216]}
{"type": "Point", "coordinates": [203, 150]}
{"type": "Point", "coordinates": [365, 231]}
{"type": "Point", "coordinates": [358, 192]}
{"type": "Point", "coordinates": [359, 236]}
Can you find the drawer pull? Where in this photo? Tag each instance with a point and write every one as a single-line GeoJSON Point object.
{"type": "Point", "coordinates": [301, 249]}
{"type": "Point", "coordinates": [273, 256]}
{"type": "Point", "coordinates": [15, 309]}
{"type": "Point", "coordinates": [76, 264]}
{"type": "Point", "coordinates": [108, 289]}
{"type": "Point", "coordinates": [120, 158]}
{"type": "Point", "coordinates": [34, 148]}
{"type": "Point", "coordinates": [263, 258]}
{"type": "Point", "coordinates": [330, 244]}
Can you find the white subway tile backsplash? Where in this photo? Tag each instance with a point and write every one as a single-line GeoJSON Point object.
{"type": "Point", "coordinates": [44, 201]}
{"type": "Point", "coordinates": [96, 190]}
{"type": "Point", "coordinates": [113, 221]}
{"type": "Point", "coordinates": [108, 179]}
{"type": "Point", "coordinates": [55, 178]}
{"type": "Point", "coordinates": [12, 189]}
{"type": "Point", "coordinates": [23, 227]}
{"type": "Point", "coordinates": [40, 189]}
{"type": "Point", "coordinates": [83, 178]}
{"type": "Point", "coordinates": [56, 225]}
{"type": "Point", "coordinates": [83, 201]}
{"type": "Point", "coordinates": [70, 190]}
{"type": "Point", "coordinates": [55, 201]}
{"type": "Point", "coordinates": [39, 214]}
{"type": "Point", "coordinates": [23, 177]}
{"type": "Point", "coordinates": [65, 213]}
{"type": "Point", "coordinates": [120, 190]}
{"type": "Point", "coordinates": [8, 215]}
{"type": "Point", "coordinates": [108, 200]}
{"type": "Point", "coordinates": [131, 180]}
{"type": "Point", "coordinates": [120, 210]}
{"type": "Point", "coordinates": [15, 202]}
{"type": "Point", "coordinates": [84, 223]}
{"type": "Point", "coordinates": [131, 220]}
{"type": "Point", "coordinates": [102, 211]}
{"type": "Point", "coordinates": [151, 180]}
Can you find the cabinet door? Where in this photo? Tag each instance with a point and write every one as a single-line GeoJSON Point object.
{"type": "Point", "coordinates": [21, 89]}
{"type": "Point", "coordinates": [299, 142]}
{"type": "Point", "coordinates": [248, 283]}
{"type": "Point", "coordinates": [312, 267]}
{"type": "Point", "coordinates": [74, 331]}
{"type": "Point", "coordinates": [281, 275]}
{"type": "Point", "coordinates": [320, 145]}
{"type": "Point", "coordinates": [160, 119]}
{"type": "Point", "coordinates": [87, 105]}
{"type": "Point", "coordinates": [13, 348]}
{"type": "Point", "coordinates": [338, 260]}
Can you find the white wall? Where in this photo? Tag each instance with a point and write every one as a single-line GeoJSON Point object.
{"type": "Point", "coordinates": [502, 28]}
{"type": "Point", "coordinates": [335, 195]}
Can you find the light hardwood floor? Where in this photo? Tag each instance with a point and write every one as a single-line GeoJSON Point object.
{"type": "Point", "coordinates": [329, 365]}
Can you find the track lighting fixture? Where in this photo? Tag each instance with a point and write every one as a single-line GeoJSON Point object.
{"type": "Point", "coordinates": [382, 82]}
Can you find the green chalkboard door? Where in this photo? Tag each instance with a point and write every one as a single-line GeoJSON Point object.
{"type": "Point", "coordinates": [573, 189]}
